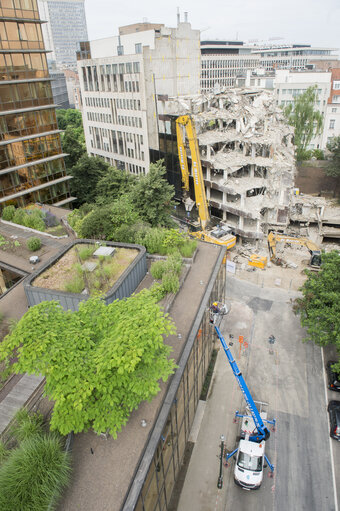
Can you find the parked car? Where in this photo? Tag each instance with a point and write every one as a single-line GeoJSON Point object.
{"type": "Point", "coordinates": [333, 377]}
{"type": "Point", "coordinates": [334, 419]}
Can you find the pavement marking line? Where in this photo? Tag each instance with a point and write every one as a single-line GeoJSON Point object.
{"type": "Point", "coordinates": [329, 427]}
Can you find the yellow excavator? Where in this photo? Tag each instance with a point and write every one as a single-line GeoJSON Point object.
{"type": "Point", "coordinates": [221, 234]}
{"type": "Point", "coordinates": [315, 252]}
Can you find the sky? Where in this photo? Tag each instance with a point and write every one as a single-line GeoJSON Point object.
{"type": "Point", "coordinates": [312, 22]}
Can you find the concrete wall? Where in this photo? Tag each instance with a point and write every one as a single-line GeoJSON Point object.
{"type": "Point", "coordinates": [125, 285]}
{"type": "Point", "coordinates": [311, 178]}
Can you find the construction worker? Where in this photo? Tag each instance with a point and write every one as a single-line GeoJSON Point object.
{"type": "Point", "coordinates": [214, 310]}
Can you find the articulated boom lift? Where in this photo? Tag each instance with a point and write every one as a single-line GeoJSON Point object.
{"type": "Point", "coordinates": [221, 235]}
{"type": "Point", "coordinates": [249, 464]}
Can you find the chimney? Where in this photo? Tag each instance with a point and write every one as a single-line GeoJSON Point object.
{"type": "Point", "coordinates": [185, 17]}
{"type": "Point", "coordinates": [178, 17]}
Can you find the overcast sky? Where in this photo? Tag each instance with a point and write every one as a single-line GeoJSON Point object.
{"type": "Point", "coordinates": [316, 22]}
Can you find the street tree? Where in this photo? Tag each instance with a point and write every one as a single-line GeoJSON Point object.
{"type": "Point", "coordinates": [306, 119]}
{"type": "Point", "coordinates": [152, 196]}
{"type": "Point", "coordinates": [73, 143]}
{"type": "Point", "coordinates": [333, 169]}
{"type": "Point", "coordinates": [99, 362]}
{"type": "Point", "coordinates": [69, 118]}
{"type": "Point", "coordinates": [319, 307]}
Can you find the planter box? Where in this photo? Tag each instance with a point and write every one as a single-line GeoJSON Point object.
{"type": "Point", "coordinates": [124, 286]}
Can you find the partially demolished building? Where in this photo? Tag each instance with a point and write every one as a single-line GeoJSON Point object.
{"type": "Point", "coordinates": [247, 154]}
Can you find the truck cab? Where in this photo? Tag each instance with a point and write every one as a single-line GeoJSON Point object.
{"type": "Point", "coordinates": [250, 461]}
{"type": "Point", "coordinates": [248, 472]}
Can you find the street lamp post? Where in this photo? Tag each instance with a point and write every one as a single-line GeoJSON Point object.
{"type": "Point", "coordinates": [220, 477]}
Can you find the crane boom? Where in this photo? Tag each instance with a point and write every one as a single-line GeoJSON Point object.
{"type": "Point", "coordinates": [201, 201]}
{"type": "Point", "coordinates": [263, 432]}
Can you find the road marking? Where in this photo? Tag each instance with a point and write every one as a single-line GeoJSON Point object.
{"type": "Point", "coordinates": [329, 427]}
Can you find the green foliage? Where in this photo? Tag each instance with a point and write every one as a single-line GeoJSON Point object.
{"type": "Point", "coordinates": [333, 168]}
{"type": "Point", "coordinates": [86, 252]}
{"type": "Point", "coordinates": [188, 249]}
{"type": "Point", "coordinates": [170, 282]}
{"type": "Point", "coordinates": [73, 143]}
{"type": "Point", "coordinates": [19, 215]}
{"type": "Point", "coordinates": [32, 218]}
{"type": "Point", "coordinates": [3, 241]}
{"type": "Point", "coordinates": [16, 243]}
{"type": "Point", "coordinates": [152, 239]}
{"type": "Point", "coordinates": [87, 172]}
{"type": "Point", "coordinates": [305, 118]}
{"type": "Point", "coordinates": [152, 196]}
{"type": "Point", "coordinates": [27, 425]}
{"type": "Point", "coordinates": [97, 224]}
{"type": "Point", "coordinates": [113, 185]}
{"type": "Point", "coordinates": [157, 269]}
{"type": "Point", "coordinates": [75, 285]}
{"type": "Point", "coordinates": [99, 362]}
{"type": "Point", "coordinates": [174, 263]}
{"type": "Point", "coordinates": [69, 118]}
{"type": "Point", "coordinates": [33, 244]}
{"type": "Point", "coordinates": [34, 474]}
{"type": "Point", "coordinates": [319, 307]}
{"type": "Point", "coordinates": [8, 213]}
{"type": "Point", "coordinates": [3, 452]}
{"type": "Point", "coordinates": [318, 154]}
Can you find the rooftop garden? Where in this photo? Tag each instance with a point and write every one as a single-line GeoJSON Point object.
{"type": "Point", "coordinates": [80, 270]}
{"type": "Point", "coordinates": [34, 217]}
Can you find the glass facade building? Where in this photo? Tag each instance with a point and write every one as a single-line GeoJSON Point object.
{"type": "Point", "coordinates": [160, 465]}
{"type": "Point", "coordinates": [32, 167]}
{"type": "Point", "coordinates": [65, 28]}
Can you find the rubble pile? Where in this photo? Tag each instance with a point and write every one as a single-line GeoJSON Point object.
{"type": "Point", "coordinates": [247, 157]}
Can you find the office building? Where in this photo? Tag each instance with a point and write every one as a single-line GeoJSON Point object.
{"type": "Point", "coordinates": [65, 28]}
{"type": "Point", "coordinates": [225, 61]}
{"type": "Point", "coordinates": [32, 167]}
{"type": "Point", "coordinates": [123, 81]}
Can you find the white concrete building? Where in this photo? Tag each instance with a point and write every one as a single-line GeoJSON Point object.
{"type": "Point", "coordinates": [223, 62]}
{"type": "Point", "coordinates": [122, 79]}
{"type": "Point", "coordinates": [289, 85]}
{"type": "Point", "coordinates": [332, 115]}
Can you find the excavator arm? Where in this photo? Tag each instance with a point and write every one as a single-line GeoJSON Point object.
{"type": "Point", "coordinates": [196, 166]}
{"type": "Point", "coordinates": [314, 250]}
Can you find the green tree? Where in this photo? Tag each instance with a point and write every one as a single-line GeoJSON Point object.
{"type": "Point", "coordinates": [97, 224]}
{"type": "Point", "coordinates": [319, 307]}
{"type": "Point", "coordinates": [69, 118]}
{"type": "Point", "coordinates": [73, 143]}
{"type": "Point", "coordinates": [113, 184]}
{"type": "Point", "coordinates": [86, 174]}
{"type": "Point", "coordinates": [333, 168]}
{"type": "Point", "coordinates": [152, 196]}
{"type": "Point", "coordinates": [306, 120]}
{"type": "Point", "coordinates": [99, 362]}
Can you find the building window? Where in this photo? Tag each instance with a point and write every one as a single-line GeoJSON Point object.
{"type": "Point", "coordinates": [331, 124]}
{"type": "Point", "coordinates": [120, 50]}
{"type": "Point", "coordinates": [136, 67]}
{"type": "Point", "coordinates": [334, 110]}
{"type": "Point", "coordinates": [138, 47]}
{"type": "Point", "coordinates": [336, 84]}
{"type": "Point", "coordinates": [336, 99]}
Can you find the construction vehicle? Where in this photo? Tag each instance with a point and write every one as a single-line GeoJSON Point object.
{"type": "Point", "coordinates": [250, 453]}
{"type": "Point", "coordinates": [274, 237]}
{"type": "Point", "coordinates": [222, 234]}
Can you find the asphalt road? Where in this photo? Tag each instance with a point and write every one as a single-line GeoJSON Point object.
{"type": "Point", "coordinates": [287, 375]}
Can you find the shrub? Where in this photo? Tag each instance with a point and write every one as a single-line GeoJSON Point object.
{"type": "Point", "coordinates": [27, 425]}
{"type": "Point", "coordinates": [153, 240]}
{"type": "Point", "coordinates": [8, 213]}
{"type": "Point", "coordinates": [3, 241]}
{"type": "Point", "coordinates": [76, 285]}
{"type": "Point", "coordinates": [170, 282]}
{"type": "Point", "coordinates": [18, 217]}
{"type": "Point", "coordinates": [3, 452]}
{"type": "Point", "coordinates": [33, 244]}
{"type": "Point", "coordinates": [86, 252]}
{"type": "Point", "coordinates": [157, 269]}
{"type": "Point", "coordinates": [34, 474]}
{"type": "Point", "coordinates": [188, 248]}
{"type": "Point", "coordinates": [318, 154]}
{"type": "Point", "coordinates": [174, 263]}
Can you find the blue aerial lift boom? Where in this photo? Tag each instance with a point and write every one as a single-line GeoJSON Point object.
{"type": "Point", "coordinates": [261, 433]}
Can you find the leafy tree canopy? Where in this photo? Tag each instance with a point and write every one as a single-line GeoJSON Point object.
{"type": "Point", "coordinates": [114, 184]}
{"type": "Point", "coordinates": [152, 196]}
{"type": "Point", "coordinates": [69, 118]}
{"type": "Point", "coordinates": [333, 168]}
{"type": "Point", "coordinates": [86, 174]}
{"type": "Point", "coordinates": [305, 118]}
{"type": "Point", "coordinates": [100, 362]}
{"type": "Point", "coordinates": [73, 143]}
{"type": "Point", "coordinates": [319, 307]}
